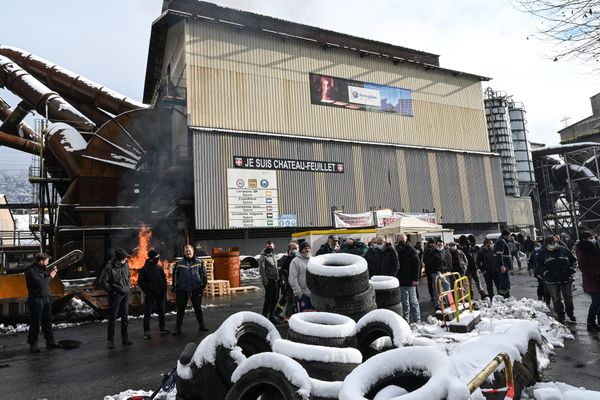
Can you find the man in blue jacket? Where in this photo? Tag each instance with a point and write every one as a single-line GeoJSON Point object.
{"type": "Point", "coordinates": [189, 281]}
{"type": "Point", "coordinates": [557, 265]}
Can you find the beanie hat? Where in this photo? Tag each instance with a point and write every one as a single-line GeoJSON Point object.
{"type": "Point", "coordinates": [304, 245]}
{"type": "Point", "coordinates": [152, 254]}
{"type": "Point", "coordinates": [120, 254]}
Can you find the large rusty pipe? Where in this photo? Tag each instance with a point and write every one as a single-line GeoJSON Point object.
{"type": "Point", "coordinates": [67, 145]}
{"type": "Point", "coordinates": [70, 84]}
{"type": "Point", "coordinates": [94, 114]}
{"type": "Point", "coordinates": [18, 143]}
{"type": "Point", "coordinates": [40, 97]}
{"type": "Point", "coordinates": [22, 129]}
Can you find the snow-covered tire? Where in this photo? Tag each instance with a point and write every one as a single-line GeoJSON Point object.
{"type": "Point", "coordinates": [387, 290]}
{"type": "Point", "coordinates": [354, 306]}
{"type": "Point", "coordinates": [322, 328]}
{"type": "Point", "coordinates": [328, 364]}
{"type": "Point", "coordinates": [201, 378]}
{"type": "Point", "coordinates": [337, 274]}
{"type": "Point", "coordinates": [425, 372]}
{"type": "Point", "coordinates": [322, 390]}
{"type": "Point", "coordinates": [251, 338]}
{"type": "Point", "coordinates": [272, 377]}
{"type": "Point", "coordinates": [378, 324]}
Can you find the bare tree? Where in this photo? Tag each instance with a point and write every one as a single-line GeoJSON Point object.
{"type": "Point", "coordinates": [572, 26]}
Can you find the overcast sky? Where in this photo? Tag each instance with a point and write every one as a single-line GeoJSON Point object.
{"type": "Point", "coordinates": [107, 41]}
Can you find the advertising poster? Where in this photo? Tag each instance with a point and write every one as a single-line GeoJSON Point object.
{"type": "Point", "coordinates": [252, 198]}
{"type": "Point", "coordinates": [355, 95]}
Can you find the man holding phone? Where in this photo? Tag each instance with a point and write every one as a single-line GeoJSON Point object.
{"type": "Point", "coordinates": [38, 277]}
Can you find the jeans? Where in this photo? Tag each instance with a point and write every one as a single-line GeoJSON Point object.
{"type": "Point", "coordinates": [515, 255]}
{"type": "Point", "coordinates": [118, 306]}
{"type": "Point", "coordinates": [566, 289]}
{"type": "Point", "coordinates": [409, 301]}
{"type": "Point", "coordinates": [271, 291]}
{"type": "Point", "coordinates": [594, 310]}
{"type": "Point", "coordinates": [181, 299]}
{"type": "Point", "coordinates": [445, 287]}
{"type": "Point", "coordinates": [154, 302]}
{"type": "Point", "coordinates": [40, 313]}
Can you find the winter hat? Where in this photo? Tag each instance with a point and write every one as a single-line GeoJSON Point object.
{"type": "Point", "coordinates": [120, 254]}
{"type": "Point", "coordinates": [452, 244]}
{"type": "Point", "coordinates": [304, 245]}
{"type": "Point", "coordinates": [152, 254]}
{"type": "Point", "coordinates": [334, 238]}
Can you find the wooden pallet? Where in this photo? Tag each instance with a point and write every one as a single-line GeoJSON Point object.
{"type": "Point", "coordinates": [244, 289]}
{"type": "Point", "coordinates": [210, 273]}
{"type": "Point", "coordinates": [217, 288]}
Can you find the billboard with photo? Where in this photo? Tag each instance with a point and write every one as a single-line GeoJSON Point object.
{"type": "Point", "coordinates": [355, 95]}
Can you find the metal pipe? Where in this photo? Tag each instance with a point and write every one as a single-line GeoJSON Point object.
{"type": "Point", "coordinates": [70, 84]}
{"type": "Point", "coordinates": [22, 84]}
{"type": "Point", "coordinates": [22, 129]}
{"type": "Point", "coordinates": [489, 369]}
{"type": "Point", "coordinates": [18, 143]}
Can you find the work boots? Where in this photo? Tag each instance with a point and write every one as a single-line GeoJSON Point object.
{"type": "Point", "coordinates": [33, 348]}
{"type": "Point", "coordinates": [111, 343]}
{"type": "Point", "coordinates": [593, 327]}
{"type": "Point", "coordinates": [126, 341]}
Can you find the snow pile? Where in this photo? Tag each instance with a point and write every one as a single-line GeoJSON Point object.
{"type": "Point", "coordinates": [322, 324]}
{"type": "Point", "coordinates": [293, 371]}
{"type": "Point", "coordinates": [76, 308]}
{"type": "Point", "coordinates": [558, 391]}
{"type": "Point", "coordinates": [250, 274]}
{"type": "Point", "coordinates": [131, 392]}
{"type": "Point", "coordinates": [310, 352]}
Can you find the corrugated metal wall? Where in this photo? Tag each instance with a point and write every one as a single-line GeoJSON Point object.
{"type": "Point", "coordinates": [373, 177]}
{"type": "Point", "coordinates": [258, 82]}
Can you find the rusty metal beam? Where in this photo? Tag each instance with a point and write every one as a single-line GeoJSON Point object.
{"type": "Point", "coordinates": [22, 127]}
{"type": "Point", "coordinates": [18, 143]}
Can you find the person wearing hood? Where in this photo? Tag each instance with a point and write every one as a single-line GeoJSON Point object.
{"type": "Point", "coordinates": [297, 278]}
{"type": "Point", "coordinates": [354, 246]}
{"type": "Point", "coordinates": [38, 277]}
{"type": "Point", "coordinates": [269, 274]}
{"type": "Point", "coordinates": [382, 259]}
{"type": "Point", "coordinates": [331, 246]}
{"type": "Point", "coordinates": [588, 258]}
{"type": "Point", "coordinates": [153, 282]}
{"type": "Point", "coordinates": [286, 302]}
{"type": "Point", "coordinates": [115, 279]}
{"type": "Point", "coordinates": [189, 281]}
{"type": "Point", "coordinates": [557, 265]}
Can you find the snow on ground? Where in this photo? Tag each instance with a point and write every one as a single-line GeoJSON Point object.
{"type": "Point", "coordinates": [131, 392]}
{"type": "Point", "coordinates": [249, 274]}
{"type": "Point", "coordinates": [558, 391]}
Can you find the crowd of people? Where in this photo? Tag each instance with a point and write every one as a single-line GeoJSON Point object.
{"type": "Point", "coordinates": [552, 261]}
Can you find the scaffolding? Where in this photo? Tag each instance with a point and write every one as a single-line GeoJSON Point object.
{"type": "Point", "coordinates": [571, 202]}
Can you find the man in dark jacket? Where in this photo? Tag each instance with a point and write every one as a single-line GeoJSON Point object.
{"type": "Point", "coordinates": [427, 253]}
{"type": "Point", "coordinates": [440, 263]}
{"type": "Point", "coordinates": [115, 280]}
{"type": "Point", "coordinates": [533, 265]}
{"type": "Point", "coordinates": [503, 263]}
{"type": "Point", "coordinates": [38, 278]}
{"type": "Point", "coordinates": [153, 282]}
{"type": "Point", "coordinates": [332, 246]}
{"type": "Point", "coordinates": [382, 259]}
{"type": "Point", "coordinates": [557, 265]}
{"type": "Point", "coordinates": [189, 281]}
{"type": "Point", "coordinates": [408, 275]}
{"type": "Point", "coordinates": [285, 306]}
{"type": "Point", "coordinates": [269, 274]}
{"type": "Point", "coordinates": [486, 263]}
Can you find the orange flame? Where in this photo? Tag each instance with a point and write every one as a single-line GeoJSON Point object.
{"type": "Point", "coordinates": [138, 259]}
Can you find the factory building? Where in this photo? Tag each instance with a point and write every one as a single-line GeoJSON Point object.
{"type": "Point", "coordinates": [283, 123]}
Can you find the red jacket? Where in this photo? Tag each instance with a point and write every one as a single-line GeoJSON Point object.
{"type": "Point", "coordinates": [588, 258]}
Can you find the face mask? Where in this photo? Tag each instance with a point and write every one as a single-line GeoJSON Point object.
{"type": "Point", "coordinates": [537, 248]}
{"type": "Point", "coordinates": [592, 241]}
{"type": "Point", "coordinates": [295, 253]}
{"type": "Point", "coordinates": [440, 249]}
{"type": "Point", "coordinates": [379, 246]}
{"type": "Point", "coordinates": [552, 246]}
{"type": "Point", "coordinates": [268, 250]}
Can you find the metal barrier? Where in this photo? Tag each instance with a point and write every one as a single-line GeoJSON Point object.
{"type": "Point", "coordinates": [459, 286]}
{"type": "Point", "coordinates": [489, 369]}
{"type": "Point", "coordinates": [441, 293]}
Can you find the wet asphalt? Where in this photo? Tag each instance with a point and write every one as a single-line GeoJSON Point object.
{"type": "Point", "coordinates": [92, 371]}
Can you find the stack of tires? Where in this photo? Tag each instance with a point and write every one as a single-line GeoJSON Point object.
{"type": "Point", "coordinates": [387, 292]}
{"type": "Point", "coordinates": [339, 283]}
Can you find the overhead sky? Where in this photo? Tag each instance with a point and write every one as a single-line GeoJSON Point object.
{"type": "Point", "coordinates": [107, 41]}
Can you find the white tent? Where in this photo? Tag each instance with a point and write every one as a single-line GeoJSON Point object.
{"type": "Point", "coordinates": [409, 225]}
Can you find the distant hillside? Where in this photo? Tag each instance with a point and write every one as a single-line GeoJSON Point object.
{"type": "Point", "coordinates": [15, 185]}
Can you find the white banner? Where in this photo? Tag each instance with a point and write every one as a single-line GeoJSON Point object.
{"type": "Point", "coordinates": [384, 217]}
{"type": "Point", "coordinates": [353, 220]}
{"type": "Point", "coordinates": [361, 95]}
{"type": "Point", "coordinates": [252, 198]}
